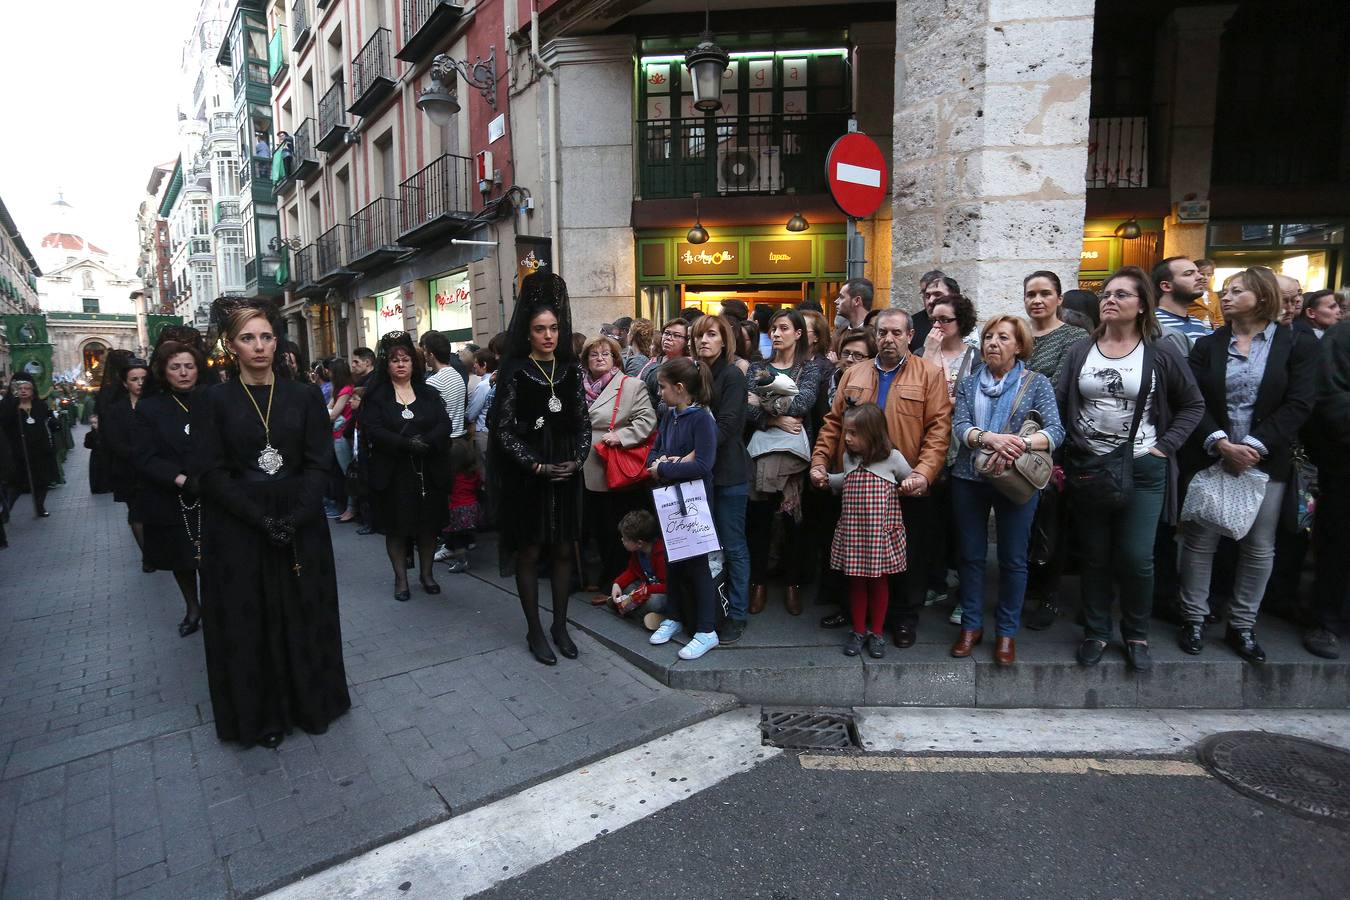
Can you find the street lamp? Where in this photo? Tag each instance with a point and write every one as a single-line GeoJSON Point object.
{"type": "Point", "coordinates": [439, 102]}
{"type": "Point", "coordinates": [707, 62]}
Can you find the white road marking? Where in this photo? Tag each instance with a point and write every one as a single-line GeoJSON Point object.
{"type": "Point", "coordinates": [857, 174]}
{"type": "Point", "coordinates": [1099, 731]}
{"type": "Point", "coordinates": [1002, 765]}
{"type": "Point", "coordinates": [472, 852]}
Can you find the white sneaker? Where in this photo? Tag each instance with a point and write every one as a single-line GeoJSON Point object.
{"type": "Point", "coordinates": [700, 644]}
{"type": "Point", "coordinates": [955, 617]}
{"type": "Point", "coordinates": [665, 631]}
{"type": "Point", "coordinates": [443, 554]}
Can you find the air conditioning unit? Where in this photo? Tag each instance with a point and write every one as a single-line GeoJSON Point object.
{"type": "Point", "coordinates": [748, 170]}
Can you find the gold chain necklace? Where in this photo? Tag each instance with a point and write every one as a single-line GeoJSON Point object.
{"type": "Point", "coordinates": [554, 404]}
{"type": "Point", "coordinates": [187, 428]}
{"type": "Point", "coordinates": [270, 459]}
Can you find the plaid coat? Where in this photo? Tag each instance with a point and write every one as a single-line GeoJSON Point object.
{"type": "Point", "coordinates": [870, 539]}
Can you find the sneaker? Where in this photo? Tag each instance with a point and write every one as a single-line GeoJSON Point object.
{"type": "Point", "coordinates": [665, 631]}
{"type": "Point", "coordinates": [443, 554]}
{"type": "Point", "coordinates": [934, 597]}
{"type": "Point", "coordinates": [457, 566]}
{"type": "Point", "coordinates": [876, 646]}
{"type": "Point", "coordinates": [698, 645]}
{"type": "Point", "coordinates": [853, 644]}
{"type": "Point", "coordinates": [957, 613]}
{"type": "Point", "coordinates": [731, 631]}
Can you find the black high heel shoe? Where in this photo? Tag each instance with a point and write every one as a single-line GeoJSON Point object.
{"type": "Point", "coordinates": [189, 626]}
{"type": "Point", "coordinates": [271, 741]}
{"type": "Point", "coordinates": [540, 648]}
{"type": "Point", "coordinates": [564, 643]}
{"type": "Point", "coordinates": [431, 587]}
{"type": "Point", "coordinates": [402, 596]}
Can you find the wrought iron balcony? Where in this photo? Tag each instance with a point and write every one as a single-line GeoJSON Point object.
{"type": "Point", "coordinates": [372, 237]}
{"type": "Point", "coordinates": [300, 24]}
{"type": "Point", "coordinates": [227, 214]}
{"type": "Point", "coordinates": [276, 55]}
{"type": "Point", "coordinates": [305, 160]}
{"type": "Point", "coordinates": [331, 258]}
{"type": "Point", "coordinates": [425, 22]}
{"type": "Point", "coordinates": [255, 174]}
{"type": "Point", "coordinates": [437, 198]}
{"type": "Point", "coordinates": [303, 264]}
{"type": "Point", "coordinates": [251, 274]}
{"type": "Point", "coordinates": [372, 74]}
{"type": "Point", "coordinates": [333, 122]}
{"type": "Point", "coordinates": [735, 155]}
{"type": "Point", "coordinates": [1118, 152]}
{"type": "Point", "coordinates": [222, 126]}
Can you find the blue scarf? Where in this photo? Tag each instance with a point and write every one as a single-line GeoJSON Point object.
{"type": "Point", "coordinates": [994, 397]}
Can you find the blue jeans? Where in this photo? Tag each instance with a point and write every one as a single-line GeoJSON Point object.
{"type": "Point", "coordinates": [971, 502]}
{"type": "Point", "coordinates": [728, 509]}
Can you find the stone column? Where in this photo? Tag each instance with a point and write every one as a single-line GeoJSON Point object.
{"type": "Point", "coordinates": [991, 124]}
{"type": "Point", "coordinates": [595, 122]}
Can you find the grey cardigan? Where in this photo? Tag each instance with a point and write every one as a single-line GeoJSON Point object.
{"type": "Point", "coordinates": [1177, 406]}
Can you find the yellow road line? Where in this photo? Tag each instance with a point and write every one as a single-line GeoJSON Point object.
{"type": "Point", "coordinates": [1002, 765]}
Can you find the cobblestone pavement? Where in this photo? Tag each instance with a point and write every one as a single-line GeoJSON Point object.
{"type": "Point", "coordinates": [113, 782]}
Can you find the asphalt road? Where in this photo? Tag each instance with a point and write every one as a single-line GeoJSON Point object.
{"type": "Point", "coordinates": [784, 832]}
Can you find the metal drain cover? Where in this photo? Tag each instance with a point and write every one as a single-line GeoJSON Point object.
{"type": "Point", "coordinates": [1301, 776]}
{"type": "Point", "coordinates": [808, 729]}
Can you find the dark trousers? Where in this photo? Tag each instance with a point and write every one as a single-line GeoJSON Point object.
{"type": "Point", "coordinates": [971, 503]}
{"type": "Point", "coordinates": [690, 595]}
{"type": "Point", "coordinates": [945, 552]}
{"type": "Point", "coordinates": [907, 588]}
{"type": "Point", "coordinates": [834, 586]}
{"type": "Point", "coordinates": [1049, 552]}
{"type": "Point", "coordinates": [760, 518]}
{"type": "Point", "coordinates": [1331, 587]}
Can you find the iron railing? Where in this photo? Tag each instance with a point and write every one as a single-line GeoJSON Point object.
{"type": "Point", "coordinates": [1118, 152]}
{"type": "Point", "coordinates": [331, 252]}
{"type": "Point", "coordinates": [276, 53]}
{"type": "Point", "coordinates": [251, 271]}
{"type": "Point", "coordinates": [333, 109]}
{"type": "Point", "coordinates": [256, 168]}
{"type": "Point", "coordinates": [227, 210]}
{"type": "Point", "coordinates": [303, 139]}
{"type": "Point", "coordinates": [374, 226]}
{"type": "Point", "coordinates": [443, 188]}
{"type": "Point", "coordinates": [371, 64]}
{"type": "Point", "coordinates": [222, 123]}
{"type": "Point", "coordinates": [416, 13]}
{"type": "Point", "coordinates": [300, 23]}
{"type": "Point", "coordinates": [734, 155]}
{"type": "Point", "coordinates": [302, 264]}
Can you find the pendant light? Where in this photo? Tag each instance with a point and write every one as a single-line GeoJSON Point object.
{"type": "Point", "coordinates": [1129, 229]}
{"type": "Point", "coordinates": [707, 62]}
{"type": "Point", "coordinates": [798, 222]}
{"type": "Point", "coordinates": [698, 234]}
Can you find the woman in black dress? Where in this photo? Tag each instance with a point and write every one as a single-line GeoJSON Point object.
{"type": "Point", "coordinates": [27, 424]}
{"type": "Point", "coordinates": [406, 435]}
{"type": "Point", "coordinates": [541, 434]}
{"type": "Point", "coordinates": [117, 426]}
{"type": "Point", "coordinates": [111, 389]}
{"type": "Point", "coordinates": [262, 451]}
{"type": "Point", "coordinates": [168, 501]}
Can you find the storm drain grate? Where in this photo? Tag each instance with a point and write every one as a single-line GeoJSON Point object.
{"type": "Point", "coordinates": [1301, 776]}
{"type": "Point", "coordinates": [808, 730]}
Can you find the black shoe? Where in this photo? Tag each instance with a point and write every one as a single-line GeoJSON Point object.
{"type": "Point", "coordinates": [876, 646]}
{"type": "Point", "coordinates": [44, 514]}
{"type": "Point", "coordinates": [563, 641]}
{"type": "Point", "coordinates": [147, 569]}
{"type": "Point", "coordinates": [271, 741]}
{"type": "Point", "coordinates": [732, 630]}
{"type": "Point", "coordinates": [189, 626]}
{"type": "Point", "coordinates": [1244, 644]}
{"type": "Point", "coordinates": [1137, 656]}
{"type": "Point", "coordinates": [403, 596]}
{"type": "Point", "coordinates": [904, 636]}
{"type": "Point", "coordinates": [431, 587]}
{"type": "Point", "coordinates": [1090, 652]}
{"type": "Point", "coordinates": [833, 620]}
{"type": "Point", "coordinates": [853, 644]}
{"type": "Point", "coordinates": [1213, 618]}
{"type": "Point", "coordinates": [365, 529]}
{"type": "Point", "coordinates": [1192, 638]}
{"type": "Point", "coordinates": [1322, 642]}
{"type": "Point", "coordinates": [540, 648]}
{"type": "Point", "coordinates": [1042, 617]}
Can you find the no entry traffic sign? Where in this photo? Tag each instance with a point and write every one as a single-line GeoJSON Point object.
{"type": "Point", "coordinates": [857, 174]}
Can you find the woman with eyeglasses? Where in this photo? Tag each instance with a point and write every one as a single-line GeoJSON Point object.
{"type": "Point", "coordinates": [1128, 403]}
{"type": "Point", "coordinates": [1043, 298]}
{"type": "Point", "coordinates": [674, 339]}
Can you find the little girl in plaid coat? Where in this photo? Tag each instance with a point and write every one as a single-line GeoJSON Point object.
{"type": "Point", "coordinates": [869, 543]}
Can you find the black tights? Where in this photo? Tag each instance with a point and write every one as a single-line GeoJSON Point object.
{"type": "Point", "coordinates": [138, 532]}
{"type": "Point", "coordinates": [396, 545]}
{"type": "Point", "coordinates": [527, 583]}
{"type": "Point", "coordinates": [187, 583]}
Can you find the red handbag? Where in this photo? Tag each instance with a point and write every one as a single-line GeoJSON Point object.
{"type": "Point", "coordinates": [625, 467]}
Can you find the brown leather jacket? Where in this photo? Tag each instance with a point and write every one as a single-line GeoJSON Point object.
{"type": "Point", "coordinates": [918, 415]}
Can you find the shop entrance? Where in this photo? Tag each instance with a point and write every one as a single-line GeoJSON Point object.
{"type": "Point", "coordinates": [1313, 253]}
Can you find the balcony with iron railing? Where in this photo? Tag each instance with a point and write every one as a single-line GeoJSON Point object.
{"type": "Point", "coordinates": [372, 74]}
{"type": "Point", "coordinates": [255, 174]}
{"type": "Point", "coordinates": [331, 258]}
{"type": "Point", "coordinates": [222, 127]}
{"type": "Point", "coordinates": [300, 24]}
{"type": "Point", "coordinates": [303, 265]}
{"type": "Point", "coordinates": [226, 216]}
{"type": "Point", "coordinates": [437, 199]}
{"type": "Point", "coordinates": [304, 158]}
{"type": "Point", "coordinates": [251, 274]}
{"type": "Point", "coordinates": [425, 22]}
{"type": "Point", "coordinates": [333, 121]}
{"type": "Point", "coordinates": [372, 234]}
{"type": "Point", "coordinates": [200, 250]}
{"type": "Point", "coordinates": [735, 155]}
{"type": "Point", "coordinates": [276, 55]}
{"type": "Point", "coordinates": [1118, 152]}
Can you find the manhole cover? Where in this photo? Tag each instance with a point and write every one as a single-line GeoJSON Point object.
{"type": "Point", "coordinates": [1303, 777]}
{"type": "Point", "coordinates": [808, 730]}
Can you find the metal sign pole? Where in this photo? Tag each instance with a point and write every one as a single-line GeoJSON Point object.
{"type": "Point", "coordinates": [856, 251]}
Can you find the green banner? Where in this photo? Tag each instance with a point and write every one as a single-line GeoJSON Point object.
{"type": "Point", "coordinates": [155, 324]}
{"type": "Point", "coordinates": [25, 329]}
{"type": "Point", "coordinates": [36, 360]}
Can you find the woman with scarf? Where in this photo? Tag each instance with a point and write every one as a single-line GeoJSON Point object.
{"type": "Point", "coordinates": [621, 417]}
{"type": "Point", "coordinates": [991, 407]}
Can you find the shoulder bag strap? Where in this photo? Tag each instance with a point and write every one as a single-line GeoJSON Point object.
{"type": "Point", "coordinates": [617, 397]}
{"type": "Point", "coordinates": [1017, 401]}
{"type": "Point", "coordinates": [1145, 385]}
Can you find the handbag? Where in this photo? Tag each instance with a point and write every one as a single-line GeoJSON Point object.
{"type": "Point", "coordinates": [1106, 481]}
{"type": "Point", "coordinates": [1226, 503]}
{"type": "Point", "coordinates": [625, 467]}
{"type": "Point", "coordinates": [91, 440]}
{"type": "Point", "coordinates": [1030, 472]}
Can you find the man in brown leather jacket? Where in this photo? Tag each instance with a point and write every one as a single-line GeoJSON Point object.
{"type": "Point", "coordinates": [912, 394]}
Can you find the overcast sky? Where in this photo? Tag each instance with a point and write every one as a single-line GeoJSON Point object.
{"type": "Point", "coordinates": [90, 106]}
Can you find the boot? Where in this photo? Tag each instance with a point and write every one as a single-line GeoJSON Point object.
{"type": "Point", "coordinates": [759, 596]}
{"type": "Point", "coordinates": [793, 602]}
{"type": "Point", "coordinates": [965, 644]}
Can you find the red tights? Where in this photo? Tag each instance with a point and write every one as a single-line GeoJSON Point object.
{"type": "Point", "coordinates": [868, 596]}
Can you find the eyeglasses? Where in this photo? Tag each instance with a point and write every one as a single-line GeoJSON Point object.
{"type": "Point", "coordinates": [853, 355]}
{"type": "Point", "coordinates": [1119, 295]}
{"type": "Point", "coordinates": [943, 320]}
{"type": "Point", "coordinates": [673, 335]}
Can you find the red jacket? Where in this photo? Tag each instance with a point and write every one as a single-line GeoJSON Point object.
{"type": "Point", "coordinates": [633, 574]}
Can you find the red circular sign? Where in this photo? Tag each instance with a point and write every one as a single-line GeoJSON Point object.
{"type": "Point", "coordinates": [857, 174]}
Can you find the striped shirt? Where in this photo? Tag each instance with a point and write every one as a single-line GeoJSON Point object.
{"type": "Point", "coordinates": [1194, 329]}
{"type": "Point", "coordinates": [450, 385]}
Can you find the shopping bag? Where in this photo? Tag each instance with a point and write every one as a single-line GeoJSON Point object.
{"type": "Point", "coordinates": [1227, 503]}
{"type": "Point", "coordinates": [685, 517]}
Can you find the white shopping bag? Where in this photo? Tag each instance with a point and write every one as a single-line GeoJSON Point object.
{"type": "Point", "coordinates": [686, 520]}
{"type": "Point", "coordinates": [1227, 503]}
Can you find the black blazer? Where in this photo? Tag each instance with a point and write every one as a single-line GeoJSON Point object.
{"type": "Point", "coordinates": [117, 426]}
{"type": "Point", "coordinates": [385, 434]}
{"type": "Point", "coordinates": [161, 451]}
{"type": "Point", "coordinates": [1283, 401]}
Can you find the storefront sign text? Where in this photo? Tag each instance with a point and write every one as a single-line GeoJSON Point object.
{"type": "Point", "coordinates": [709, 259]}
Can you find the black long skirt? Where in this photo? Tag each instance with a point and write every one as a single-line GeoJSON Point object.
{"type": "Point", "coordinates": [273, 637]}
{"type": "Point", "coordinates": [406, 508]}
{"type": "Point", "coordinates": [168, 548]}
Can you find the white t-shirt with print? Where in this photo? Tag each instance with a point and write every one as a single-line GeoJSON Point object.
{"type": "Point", "coordinates": [1109, 388]}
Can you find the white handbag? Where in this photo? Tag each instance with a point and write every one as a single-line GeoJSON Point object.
{"type": "Point", "coordinates": [1225, 502]}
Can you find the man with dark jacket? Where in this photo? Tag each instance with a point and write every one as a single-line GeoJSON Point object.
{"type": "Point", "coordinates": [1327, 439]}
